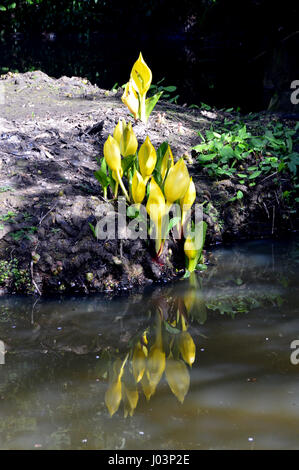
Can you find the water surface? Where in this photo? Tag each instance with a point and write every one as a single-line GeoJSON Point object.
{"type": "Point", "coordinates": [241, 391]}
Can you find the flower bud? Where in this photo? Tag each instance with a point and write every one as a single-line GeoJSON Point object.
{"type": "Point", "coordinates": [138, 188]}
{"type": "Point", "coordinates": [147, 158]}
{"type": "Point", "coordinates": [177, 182]}
{"type": "Point", "coordinates": [112, 154]}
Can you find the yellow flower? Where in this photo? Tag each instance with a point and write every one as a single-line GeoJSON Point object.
{"type": "Point", "coordinates": [113, 160]}
{"type": "Point", "coordinates": [188, 199]}
{"type": "Point", "coordinates": [167, 162]}
{"type": "Point", "coordinates": [138, 188]}
{"type": "Point", "coordinates": [156, 209]}
{"type": "Point", "coordinates": [118, 130]}
{"type": "Point", "coordinates": [177, 182]}
{"type": "Point", "coordinates": [178, 378]}
{"type": "Point", "coordinates": [130, 99]}
{"type": "Point", "coordinates": [147, 158]}
{"type": "Point", "coordinates": [128, 141]}
{"type": "Point", "coordinates": [112, 154]}
{"type": "Point", "coordinates": [187, 347]}
{"type": "Point", "coordinates": [139, 361]}
{"type": "Point", "coordinates": [141, 75]}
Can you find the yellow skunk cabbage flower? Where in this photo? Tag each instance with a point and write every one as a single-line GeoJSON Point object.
{"type": "Point", "coordinates": [113, 160]}
{"type": "Point", "coordinates": [130, 99]}
{"type": "Point", "coordinates": [187, 200]}
{"type": "Point", "coordinates": [118, 130]}
{"type": "Point", "coordinates": [147, 159]}
{"type": "Point", "coordinates": [112, 154]}
{"type": "Point", "coordinates": [187, 347]}
{"type": "Point", "coordinates": [167, 162]}
{"type": "Point", "coordinates": [141, 75]}
{"type": "Point", "coordinates": [128, 141]}
{"type": "Point", "coordinates": [156, 209]}
{"type": "Point", "coordinates": [177, 182]}
{"type": "Point", "coordinates": [138, 188]}
{"type": "Point", "coordinates": [178, 378]}
{"type": "Point", "coordinates": [139, 361]}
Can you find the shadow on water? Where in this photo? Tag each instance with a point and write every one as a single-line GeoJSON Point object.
{"type": "Point", "coordinates": [201, 363]}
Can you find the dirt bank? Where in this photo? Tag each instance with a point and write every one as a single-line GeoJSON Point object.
{"type": "Point", "coordinates": [51, 132]}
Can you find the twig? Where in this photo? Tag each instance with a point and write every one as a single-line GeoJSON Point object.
{"type": "Point", "coordinates": [269, 176]}
{"type": "Point", "coordinates": [50, 210]}
{"type": "Point", "coordinates": [32, 278]}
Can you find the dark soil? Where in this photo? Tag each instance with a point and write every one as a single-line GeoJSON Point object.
{"type": "Point", "coordinates": [51, 132]}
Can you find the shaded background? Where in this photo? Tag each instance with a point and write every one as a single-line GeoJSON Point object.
{"type": "Point", "coordinates": [225, 53]}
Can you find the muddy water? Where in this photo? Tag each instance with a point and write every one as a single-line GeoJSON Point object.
{"type": "Point", "coordinates": [68, 362]}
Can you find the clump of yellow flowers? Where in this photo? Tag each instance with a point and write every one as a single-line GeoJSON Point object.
{"type": "Point", "coordinates": [134, 96]}
{"type": "Point", "coordinates": [155, 180]}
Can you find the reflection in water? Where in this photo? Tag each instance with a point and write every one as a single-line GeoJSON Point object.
{"type": "Point", "coordinates": [200, 363]}
{"type": "Point", "coordinates": [166, 346]}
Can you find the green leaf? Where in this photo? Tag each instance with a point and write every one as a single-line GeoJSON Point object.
{"type": "Point", "coordinates": [255, 174]}
{"type": "Point", "coordinates": [127, 163]}
{"type": "Point", "coordinates": [150, 103]}
{"type": "Point", "coordinates": [2, 8]}
{"type": "Point", "coordinates": [169, 89]}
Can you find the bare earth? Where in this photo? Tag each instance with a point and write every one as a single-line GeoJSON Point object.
{"type": "Point", "coordinates": [51, 132]}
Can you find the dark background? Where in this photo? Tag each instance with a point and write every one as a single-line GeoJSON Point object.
{"type": "Point", "coordinates": [225, 53]}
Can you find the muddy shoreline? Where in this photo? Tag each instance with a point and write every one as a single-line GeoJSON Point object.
{"type": "Point", "coordinates": [51, 133]}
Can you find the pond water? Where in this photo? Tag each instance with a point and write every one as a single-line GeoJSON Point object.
{"type": "Point", "coordinates": [218, 374]}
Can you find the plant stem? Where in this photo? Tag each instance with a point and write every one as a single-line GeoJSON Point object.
{"type": "Point", "coordinates": [122, 186]}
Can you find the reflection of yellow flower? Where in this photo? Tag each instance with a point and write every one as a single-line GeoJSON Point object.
{"type": "Point", "coordinates": [155, 365]}
{"type": "Point", "coordinates": [113, 394]}
{"type": "Point", "coordinates": [147, 387]}
{"type": "Point", "coordinates": [139, 361]}
{"type": "Point", "coordinates": [187, 347]}
{"type": "Point", "coordinates": [156, 209]}
{"type": "Point", "coordinates": [130, 398]}
{"type": "Point", "coordinates": [128, 141]}
{"type": "Point", "coordinates": [141, 75]}
{"type": "Point", "coordinates": [147, 159]}
{"type": "Point", "coordinates": [178, 378]}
